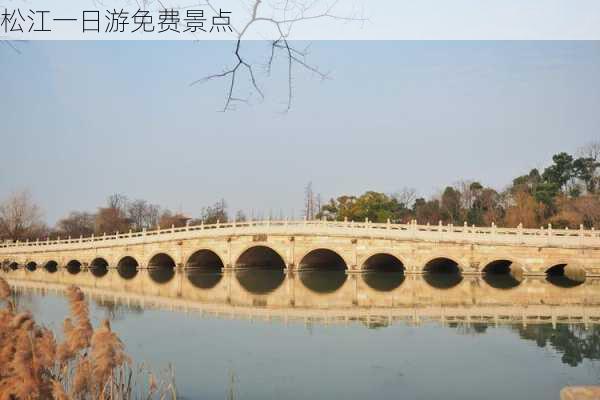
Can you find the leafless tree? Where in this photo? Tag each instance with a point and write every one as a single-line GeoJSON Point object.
{"type": "Point", "coordinates": [20, 217]}
{"type": "Point", "coordinates": [216, 212]}
{"type": "Point", "coordinates": [240, 216]}
{"type": "Point", "coordinates": [142, 214]}
{"type": "Point", "coordinates": [405, 196]}
{"type": "Point", "coordinates": [312, 202]}
{"type": "Point", "coordinates": [77, 224]}
{"type": "Point", "coordinates": [590, 150]}
{"type": "Point", "coordinates": [117, 201]}
{"type": "Point", "coordinates": [290, 13]}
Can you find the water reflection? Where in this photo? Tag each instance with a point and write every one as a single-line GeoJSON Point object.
{"type": "Point", "coordinates": [383, 281]}
{"type": "Point", "coordinates": [327, 281]}
{"type": "Point", "coordinates": [563, 281]}
{"type": "Point", "coordinates": [564, 276]}
{"type": "Point", "coordinates": [502, 280]}
{"type": "Point", "coordinates": [73, 267]}
{"type": "Point", "coordinates": [127, 272]}
{"type": "Point", "coordinates": [51, 266]}
{"type": "Point", "coordinates": [392, 313]}
{"type": "Point", "coordinates": [204, 279]}
{"type": "Point", "coordinates": [162, 274]}
{"type": "Point", "coordinates": [115, 310]}
{"type": "Point", "coordinates": [443, 280]}
{"type": "Point", "coordinates": [99, 271]}
{"type": "Point", "coordinates": [314, 289]}
{"type": "Point", "coordinates": [575, 342]}
{"type": "Point", "coordinates": [260, 281]}
{"type": "Point", "coordinates": [127, 267]}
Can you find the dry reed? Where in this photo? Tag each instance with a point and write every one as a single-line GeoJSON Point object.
{"type": "Point", "coordinates": [86, 365]}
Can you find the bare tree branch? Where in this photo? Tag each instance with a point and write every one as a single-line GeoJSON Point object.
{"type": "Point", "coordinates": [283, 28]}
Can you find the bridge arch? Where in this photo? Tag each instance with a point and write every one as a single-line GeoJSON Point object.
{"type": "Point", "coordinates": [382, 261]}
{"type": "Point", "coordinates": [500, 265]}
{"type": "Point", "coordinates": [442, 265]}
{"type": "Point", "coordinates": [161, 260]}
{"type": "Point", "coordinates": [127, 267]}
{"type": "Point", "coordinates": [99, 267]}
{"type": "Point", "coordinates": [502, 273]}
{"type": "Point", "coordinates": [13, 265]}
{"type": "Point", "coordinates": [161, 268]}
{"type": "Point", "coordinates": [262, 257]}
{"type": "Point", "coordinates": [73, 267]}
{"type": "Point", "coordinates": [205, 259]}
{"type": "Point", "coordinates": [51, 266]}
{"type": "Point", "coordinates": [322, 259]}
{"type": "Point", "coordinates": [31, 266]}
{"type": "Point", "coordinates": [565, 274]}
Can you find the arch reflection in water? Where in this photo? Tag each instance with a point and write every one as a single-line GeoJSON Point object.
{"type": "Point", "coordinates": [204, 279]}
{"type": "Point", "coordinates": [127, 268]}
{"type": "Point", "coordinates": [260, 281]}
{"type": "Point", "coordinates": [51, 266]}
{"type": "Point", "coordinates": [204, 269]}
{"type": "Point", "coordinates": [99, 267]}
{"type": "Point", "coordinates": [31, 266]}
{"type": "Point", "coordinates": [502, 274]}
{"type": "Point", "coordinates": [161, 268]}
{"type": "Point", "coordinates": [161, 275]}
{"type": "Point", "coordinates": [383, 272]}
{"type": "Point", "coordinates": [14, 265]}
{"type": "Point", "coordinates": [73, 267]}
{"type": "Point", "coordinates": [323, 259]}
{"type": "Point", "coordinates": [565, 276]}
{"type": "Point", "coordinates": [442, 273]}
{"type": "Point", "coordinates": [323, 281]}
{"type": "Point", "coordinates": [383, 281]}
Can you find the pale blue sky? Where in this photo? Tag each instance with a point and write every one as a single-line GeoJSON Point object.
{"type": "Point", "coordinates": [82, 120]}
{"type": "Point", "coordinates": [387, 19]}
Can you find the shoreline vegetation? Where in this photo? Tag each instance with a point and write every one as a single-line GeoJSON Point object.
{"type": "Point", "coordinates": [566, 194]}
{"type": "Point", "coordinates": [88, 364]}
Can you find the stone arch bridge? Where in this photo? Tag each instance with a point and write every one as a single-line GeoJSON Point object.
{"type": "Point", "coordinates": [297, 245]}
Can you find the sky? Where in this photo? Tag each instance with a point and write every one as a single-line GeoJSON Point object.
{"type": "Point", "coordinates": [83, 120]}
{"type": "Point", "coordinates": [385, 19]}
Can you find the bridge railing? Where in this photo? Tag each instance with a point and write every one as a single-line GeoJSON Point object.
{"type": "Point", "coordinates": [411, 231]}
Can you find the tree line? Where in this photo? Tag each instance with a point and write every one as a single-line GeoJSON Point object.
{"type": "Point", "coordinates": [565, 194]}
{"type": "Point", "coordinates": [21, 218]}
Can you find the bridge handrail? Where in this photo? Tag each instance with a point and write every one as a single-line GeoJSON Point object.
{"type": "Point", "coordinates": [578, 237]}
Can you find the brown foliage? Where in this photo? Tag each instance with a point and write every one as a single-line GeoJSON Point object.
{"type": "Point", "coordinates": [4, 290]}
{"type": "Point", "coordinates": [87, 365]}
{"type": "Point", "coordinates": [168, 220]}
{"type": "Point", "coordinates": [20, 218]}
{"type": "Point", "coordinates": [110, 220]}
{"type": "Point", "coordinates": [525, 210]}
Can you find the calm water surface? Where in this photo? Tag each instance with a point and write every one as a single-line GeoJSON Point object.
{"type": "Point", "coordinates": [330, 335]}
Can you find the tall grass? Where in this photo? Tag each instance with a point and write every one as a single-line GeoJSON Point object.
{"type": "Point", "coordinates": [87, 365]}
